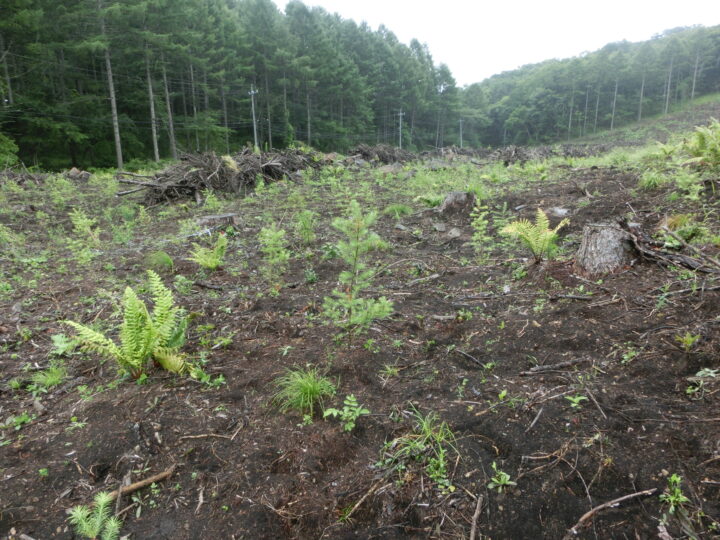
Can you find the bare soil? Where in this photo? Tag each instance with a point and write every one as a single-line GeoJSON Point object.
{"type": "Point", "coordinates": [468, 341]}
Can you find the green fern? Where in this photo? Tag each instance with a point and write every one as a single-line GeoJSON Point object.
{"type": "Point", "coordinates": [143, 335]}
{"type": "Point", "coordinates": [538, 237]}
{"type": "Point", "coordinates": [98, 523]}
{"type": "Point", "coordinates": [210, 258]}
{"type": "Point", "coordinates": [704, 146]}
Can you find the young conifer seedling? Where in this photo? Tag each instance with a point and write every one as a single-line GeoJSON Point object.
{"type": "Point", "coordinates": [98, 522]}
{"type": "Point", "coordinates": [346, 309]}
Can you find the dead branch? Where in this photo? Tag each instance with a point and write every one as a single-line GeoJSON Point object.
{"type": "Point", "coordinates": [476, 516]}
{"type": "Point", "coordinates": [469, 357]}
{"type": "Point", "coordinates": [142, 483]}
{"type": "Point", "coordinates": [695, 250]}
{"type": "Point", "coordinates": [552, 367]}
{"type": "Point", "coordinates": [573, 531]}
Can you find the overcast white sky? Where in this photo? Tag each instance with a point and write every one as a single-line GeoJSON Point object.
{"type": "Point", "coordinates": [477, 38]}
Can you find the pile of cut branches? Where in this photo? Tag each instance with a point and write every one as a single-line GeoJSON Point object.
{"type": "Point", "coordinates": [208, 171]}
{"type": "Point", "coordinates": [384, 153]}
{"type": "Point", "coordinates": [20, 177]}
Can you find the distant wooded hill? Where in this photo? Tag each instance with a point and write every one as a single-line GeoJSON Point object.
{"type": "Point", "coordinates": [95, 82]}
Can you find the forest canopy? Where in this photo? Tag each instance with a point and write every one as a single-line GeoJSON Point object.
{"type": "Point", "coordinates": [101, 83]}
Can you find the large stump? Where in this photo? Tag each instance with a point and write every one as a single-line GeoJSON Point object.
{"type": "Point", "coordinates": [457, 202]}
{"type": "Point", "coordinates": [605, 247]}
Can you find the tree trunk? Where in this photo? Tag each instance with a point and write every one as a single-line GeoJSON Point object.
{"type": "Point", "coordinates": [309, 138]}
{"type": "Point", "coordinates": [572, 105]}
{"type": "Point", "coordinates": [642, 92]}
{"type": "Point", "coordinates": [605, 247]}
{"type": "Point", "coordinates": [6, 72]}
{"type": "Point", "coordinates": [193, 102]}
{"type": "Point", "coordinates": [225, 115]}
{"type": "Point", "coordinates": [63, 84]}
{"type": "Point", "coordinates": [597, 108]}
{"type": "Point", "coordinates": [667, 91]}
{"type": "Point", "coordinates": [695, 73]}
{"type": "Point", "coordinates": [171, 124]}
{"type": "Point", "coordinates": [151, 99]}
{"type": "Point", "coordinates": [612, 117]}
{"type": "Point", "coordinates": [267, 102]}
{"type": "Point", "coordinates": [206, 108]}
{"type": "Point", "coordinates": [111, 89]}
{"type": "Point", "coordinates": [587, 97]}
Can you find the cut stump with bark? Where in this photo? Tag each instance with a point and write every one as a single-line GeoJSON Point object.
{"type": "Point", "coordinates": [605, 247]}
{"type": "Point", "coordinates": [457, 202]}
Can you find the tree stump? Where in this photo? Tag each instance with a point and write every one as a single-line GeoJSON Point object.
{"type": "Point", "coordinates": [605, 247]}
{"type": "Point", "coordinates": [457, 202]}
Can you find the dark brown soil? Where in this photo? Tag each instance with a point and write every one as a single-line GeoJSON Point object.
{"type": "Point", "coordinates": [464, 342]}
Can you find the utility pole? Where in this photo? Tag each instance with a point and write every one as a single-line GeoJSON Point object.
{"type": "Point", "coordinates": [461, 126]}
{"type": "Point", "coordinates": [252, 93]}
{"type": "Point", "coordinates": [400, 116]}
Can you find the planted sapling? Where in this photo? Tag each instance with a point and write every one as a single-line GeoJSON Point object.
{"type": "Point", "coordinates": [346, 309]}
{"type": "Point", "coordinates": [276, 256]}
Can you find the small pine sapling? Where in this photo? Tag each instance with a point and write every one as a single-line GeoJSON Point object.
{"type": "Point", "coordinates": [346, 309]}
{"type": "Point", "coordinates": [276, 255]}
{"type": "Point", "coordinates": [305, 226]}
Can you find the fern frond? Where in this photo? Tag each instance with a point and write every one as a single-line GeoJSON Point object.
{"type": "Point", "coordinates": [538, 237]}
{"type": "Point", "coordinates": [163, 301]}
{"type": "Point", "coordinates": [177, 338]}
{"type": "Point", "coordinates": [137, 336]}
{"type": "Point", "coordinates": [94, 342]}
{"type": "Point", "coordinates": [542, 222]}
{"type": "Point", "coordinates": [169, 360]}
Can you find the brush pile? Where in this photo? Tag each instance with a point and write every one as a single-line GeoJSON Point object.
{"type": "Point", "coordinates": [228, 174]}
{"type": "Point", "coordinates": [383, 153]}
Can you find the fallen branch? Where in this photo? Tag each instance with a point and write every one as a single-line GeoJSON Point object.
{"type": "Point", "coordinates": [476, 516]}
{"type": "Point", "coordinates": [552, 367]}
{"type": "Point", "coordinates": [695, 250]}
{"type": "Point", "coordinates": [469, 357]}
{"type": "Point", "coordinates": [372, 490]}
{"type": "Point", "coordinates": [139, 183]}
{"type": "Point", "coordinates": [573, 531]}
{"type": "Point", "coordinates": [203, 436]}
{"type": "Point", "coordinates": [142, 483]}
{"type": "Point", "coordinates": [423, 280]}
{"type": "Point", "coordinates": [124, 173]}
